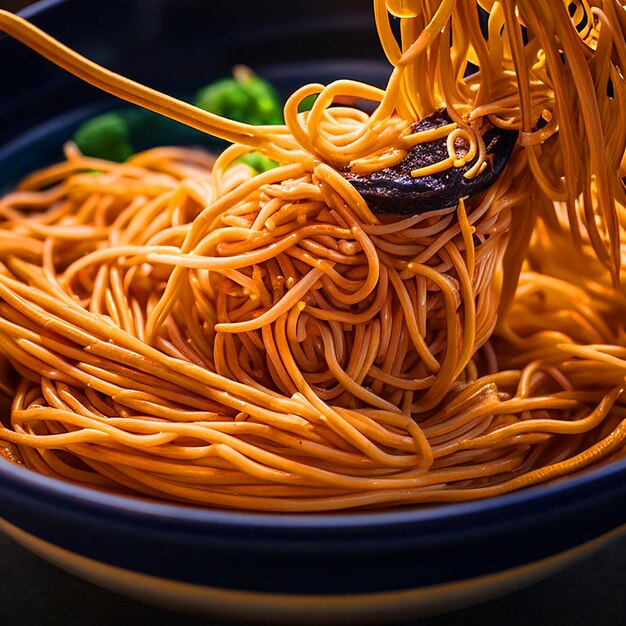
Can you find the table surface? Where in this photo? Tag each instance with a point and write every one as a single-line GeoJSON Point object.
{"type": "Point", "coordinates": [590, 593]}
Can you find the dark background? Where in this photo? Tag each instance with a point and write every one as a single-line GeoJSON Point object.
{"type": "Point", "coordinates": [34, 593]}
{"type": "Point", "coordinates": [14, 5]}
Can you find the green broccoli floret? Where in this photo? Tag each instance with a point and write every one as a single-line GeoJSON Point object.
{"type": "Point", "coordinates": [105, 136]}
{"type": "Point", "coordinates": [307, 103]}
{"type": "Point", "coordinates": [224, 97]}
{"type": "Point", "coordinates": [258, 162]}
{"type": "Point", "coordinates": [245, 98]}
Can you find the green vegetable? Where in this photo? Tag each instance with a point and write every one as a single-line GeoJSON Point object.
{"type": "Point", "coordinates": [244, 98]}
{"type": "Point", "coordinates": [115, 136]}
{"type": "Point", "coordinates": [105, 137]}
{"type": "Point", "coordinates": [307, 103]}
{"type": "Point", "coordinates": [258, 162]}
{"type": "Point", "coordinates": [224, 97]}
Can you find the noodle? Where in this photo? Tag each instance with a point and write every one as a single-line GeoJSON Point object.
{"type": "Point", "coordinates": [178, 327]}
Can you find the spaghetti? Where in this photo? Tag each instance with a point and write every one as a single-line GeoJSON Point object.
{"type": "Point", "coordinates": [181, 328]}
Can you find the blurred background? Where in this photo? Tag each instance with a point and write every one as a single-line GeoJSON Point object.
{"type": "Point", "coordinates": [14, 5]}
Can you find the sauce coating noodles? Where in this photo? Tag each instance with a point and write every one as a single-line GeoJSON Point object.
{"type": "Point", "coordinates": [184, 329]}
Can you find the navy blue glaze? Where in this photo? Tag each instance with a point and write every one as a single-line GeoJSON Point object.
{"type": "Point", "coordinates": [335, 553]}
{"type": "Point", "coordinates": [340, 553]}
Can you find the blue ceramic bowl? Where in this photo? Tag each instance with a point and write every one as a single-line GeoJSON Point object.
{"type": "Point", "coordinates": [342, 568]}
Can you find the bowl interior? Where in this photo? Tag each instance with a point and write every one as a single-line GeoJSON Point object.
{"type": "Point", "coordinates": [179, 47]}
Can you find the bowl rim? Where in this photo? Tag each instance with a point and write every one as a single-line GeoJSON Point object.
{"type": "Point", "coordinates": [39, 7]}
{"type": "Point", "coordinates": [545, 497]}
{"type": "Point", "coordinates": [21, 479]}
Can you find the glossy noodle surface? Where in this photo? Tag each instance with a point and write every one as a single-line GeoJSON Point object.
{"type": "Point", "coordinates": [180, 327]}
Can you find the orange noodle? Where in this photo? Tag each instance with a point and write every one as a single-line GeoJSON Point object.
{"type": "Point", "coordinates": [178, 327]}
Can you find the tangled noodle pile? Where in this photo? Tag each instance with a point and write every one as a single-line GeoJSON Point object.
{"type": "Point", "coordinates": [181, 328]}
